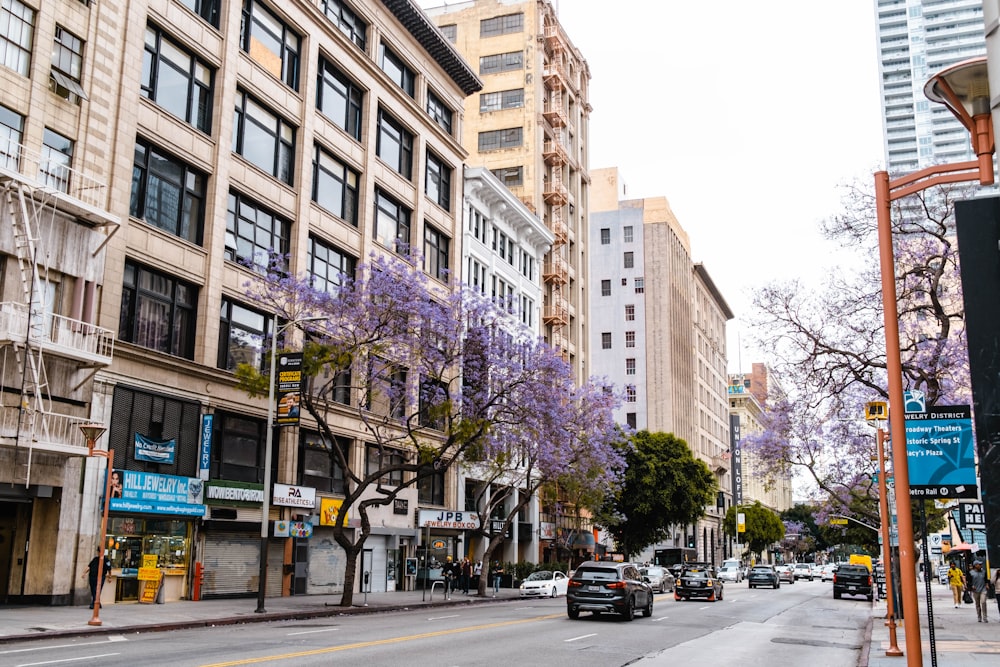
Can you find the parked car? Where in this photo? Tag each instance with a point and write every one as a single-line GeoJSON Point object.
{"type": "Point", "coordinates": [804, 571]}
{"type": "Point", "coordinates": [698, 581]}
{"type": "Point", "coordinates": [605, 587]}
{"type": "Point", "coordinates": [785, 573]}
{"type": "Point", "coordinates": [660, 578]}
{"type": "Point", "coordinates": [763, 575]}
{"type": "Point", "coordinates": [544, 583]}
{"type": "Point", "coordinates": [731, 573]}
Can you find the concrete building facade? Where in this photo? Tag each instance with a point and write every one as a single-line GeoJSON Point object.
{"type": "Point", "coordinates": [220, 132]}
{"type": "Point", "coordinates": [661, 336]}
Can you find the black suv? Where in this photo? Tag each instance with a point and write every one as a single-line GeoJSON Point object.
{"type": "Point", "coordinates": [605, 587]}
{"type": "Point", "coordinates": [698, 580]}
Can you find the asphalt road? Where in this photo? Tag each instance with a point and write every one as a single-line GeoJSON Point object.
{"type": "Point", "coordinates": [793, 625]}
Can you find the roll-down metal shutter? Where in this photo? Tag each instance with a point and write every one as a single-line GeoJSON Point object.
{"type": "Point", "coordinates": [232, 564]}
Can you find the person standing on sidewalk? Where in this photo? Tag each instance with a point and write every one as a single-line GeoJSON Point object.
{"type": "Point", "coordinates": [495, 573]}
{"type": "Point", "coordinates": [957, 582]}
{"type": "Point", "coordinates": [996, 587]}
{"type": "Point", "coordinates": [466, 575]}
{"type": "Point", "coordinates": [977, 584]}
{"type": "Point", "coordinates": [91, 574]}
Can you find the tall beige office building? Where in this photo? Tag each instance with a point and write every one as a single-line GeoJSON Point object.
{"type": "Point", "coordinates": [529, 126]}
{"type": "Point", "coordinates": [150, 153]}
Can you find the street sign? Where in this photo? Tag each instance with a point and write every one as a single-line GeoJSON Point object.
{"type": "Point", "coordinates": [940, 453]}
{"type": "Point", "coordinates": [838, 522]}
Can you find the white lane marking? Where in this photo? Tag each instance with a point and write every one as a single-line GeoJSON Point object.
{"type": "Point", "coordinates": [112, 638]}
{"type": "Point", "coordinates": [661, 618]}
{"type": "Point", "coordinates": [56, 662]}
{"type": "Point", "coordinates": [438, 618]}
{"type": "Point", "coordinates": [310, 632]}
{"type": "Point", "coordinates": [592, 634]}
{"type": "Point", "coordinates": [707, 607]}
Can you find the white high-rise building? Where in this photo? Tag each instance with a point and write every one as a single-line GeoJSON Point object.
{"type": "Point", "coordinates": [917, 39]}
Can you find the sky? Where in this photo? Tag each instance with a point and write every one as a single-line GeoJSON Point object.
{"type": "Point", "coordinates": [749, 117]}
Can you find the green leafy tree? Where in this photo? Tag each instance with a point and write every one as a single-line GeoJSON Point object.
{"type": "Point", "coordinates": [664, 485]}
{"type": "Point", "coordinates": [763, 527]}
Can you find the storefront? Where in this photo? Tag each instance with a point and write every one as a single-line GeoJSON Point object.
{"type": "Point", "coordinates": [150, 531]}
{"type": "Point", "coordinates": [230, 547]}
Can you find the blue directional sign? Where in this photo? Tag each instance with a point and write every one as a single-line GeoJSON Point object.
{"type": "Point", "coordinates": [941, 453]}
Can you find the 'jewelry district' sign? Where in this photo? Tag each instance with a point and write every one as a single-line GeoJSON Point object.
{"type": "Point", "coordinates": [940, 452]}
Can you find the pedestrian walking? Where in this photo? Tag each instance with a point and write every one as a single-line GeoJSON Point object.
{"type": "Point", "coordinates": [957, 582]}
{"type": "Point", "coordinates": [495, 574]}
{"type": "Point", "coordinates": [92, 575]}
{"type": "Point", "coordinates": [449, 578]}
{"type": "Point", "coordinates": [978, 584]}
{"type": "Point", "coordinates": [466, 575]}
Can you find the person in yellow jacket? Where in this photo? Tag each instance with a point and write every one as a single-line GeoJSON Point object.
{"type": "Point", "coordinates": [956, 579]}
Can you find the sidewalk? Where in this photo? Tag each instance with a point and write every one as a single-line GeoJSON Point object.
{"type": "Point", "coordinates": [959, 639]}
{"type": "Point", "coordinates": [33, 622]}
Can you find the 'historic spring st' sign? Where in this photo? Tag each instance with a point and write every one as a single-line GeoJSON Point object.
{"type": "Point", "coordinates": [940, 452]}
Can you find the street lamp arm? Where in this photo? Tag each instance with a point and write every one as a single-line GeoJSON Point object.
{"type": "Point", "coordinates": [857, 521]}
{"type": "Point", "coordinates": [918, 181]}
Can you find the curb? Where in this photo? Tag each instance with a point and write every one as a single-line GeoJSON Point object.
{"type": "Point", "coordinates": [865, 654]}
{"type": "Point", "coordinates": [329, 611]}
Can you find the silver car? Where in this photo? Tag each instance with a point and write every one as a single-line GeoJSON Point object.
{"type": "Point", "coordinates": [660, 578]}
{"type": "Point", "coordinates": [731, 573]}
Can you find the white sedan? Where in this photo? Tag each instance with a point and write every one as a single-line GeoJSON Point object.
{"type": "Point", "coordinates": [544, 583]}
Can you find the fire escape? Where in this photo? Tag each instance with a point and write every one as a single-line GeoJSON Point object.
{"type": "Point", "coordinates": [556, 271]}
{"type": "Point", "coordinates": [58, 214]}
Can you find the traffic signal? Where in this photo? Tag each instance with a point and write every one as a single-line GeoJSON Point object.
{"type": "Point", "coordinates": [690, 541]}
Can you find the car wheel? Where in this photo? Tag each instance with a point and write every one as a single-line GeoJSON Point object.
{"type": "Point", "coordinates": [573, 613]}
{"type": "Point", "coordinates": [648, 611]}
{"type": "Point", "coordinates": [870, 597]}
{"type": "Point", "coordinates": [752, 586]}
{"type": "Point", "coordinates": [721, 592]}
{"type": "Point", "coordinates": [677, 598]}
{"type": "Point", "coordinates": [836, 595]}
{"type": "Point", "coordinates": [555, 593]}
{"type": "Point", "coordinates": [629, 612]}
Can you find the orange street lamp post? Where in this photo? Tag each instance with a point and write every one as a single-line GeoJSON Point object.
{"type": "Point", "coordinates": [92, 432]}
{"type": "Point", "coordinates": [964, 89]}
{"type": "Point", "coordinates": [883, 499]}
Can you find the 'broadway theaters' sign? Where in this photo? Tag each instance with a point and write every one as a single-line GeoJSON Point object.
{"type": "Point", "coordinates": [940, 452]}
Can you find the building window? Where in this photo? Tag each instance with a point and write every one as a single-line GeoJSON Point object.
{"type": "Point", "coordinates": [479, 225]}
{"type": "Point", "coordinates": [477, 276]}
{"type": "Point", "coordinates": [630, 395]}
{"type": "Point", "coordinates": [606, 340]}
{"type": "Point", "coordinates": [167, 193]}
{"type": "Point", "coordinates": [439, 112]}
{"type": "Point", "coordinates": [437, 184]}
{"type": "Point", "coordinates": [504, 99]}
{"type": "Point", "coordinates": [527, 311]}
{"type": "Point", "coordinates": [346, 21]}
{"type": "Point", "coordinates": [243, 336]}
{"type": "Point", "coordinates": [339, 99]}
{"type": "Point", "coordinates": [270, 42]}
{"type": "Point", "coordinates": [605, 236]}
{"type": "Point", "coordinates": [630, 420]}
{"type": "Point", "coordinates": [511, 177]}
{"type": "Point", "coordinates": [395, 145]}
{"type": "Point", "coordinates": [158, 311]}
{"type": "Point", "coordinates": [498, 139]}
{"type": "Point", "coordinates": [329, 266]}
{"type": "Point", "coordinates": [67, 65]}
{"type": "Point", "coordinates": [397, 70]}
{"type": "Point", "coordinates": [11, 132]}
{"type": "Point", "coordinates": [241, 442]}
{"type": "Point", "coordinates": [335, 186]}
{"type": "Point", "coordinates": [17, 21]}
{"type": "Point", "coordinates": [392, 223]}
{"type": "Point", "coordinates": [640, 285]}
{"type": "Point", "coordinates": [377, 459]}
{"type": "Point", "coordinates": [449, 31]}
{"type": "Point", "coordinates": [57, 155]}
{"type": "Point", "coordinates": [430, 486]}
{"type": "Point", "coordinates": [605, 288]}
{"type": "Point", "coordinates": [206, 9]}
{"type": "Point", "coordinates": [629, 260]}
{"type": "Point", "coordinates": [263, 138]}
{"type": "Point", "coordinates": [629, 339]}
{"type": "Point", "coordinates": [320, 467]}
{"type": "Point", "coordinates": [630, 367]}
{"type": "Point", "coordinates": [177, 81]}
{"type": "Point", "coordinates": [629, 312]}
{"type": "Point", "coordinates": [254, 235]}
{"type": "Point", "coordinates": [501, 62]}
{"type": "Point", "coordinates": [627, 233]}
{"type": "Point", "coordinates": [501, 25]}
{"type": "Point", "coordinates": [437, 248]}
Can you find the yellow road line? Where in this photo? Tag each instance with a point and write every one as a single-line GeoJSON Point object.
{"type": "Point", "coordinates": [380, 642]}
